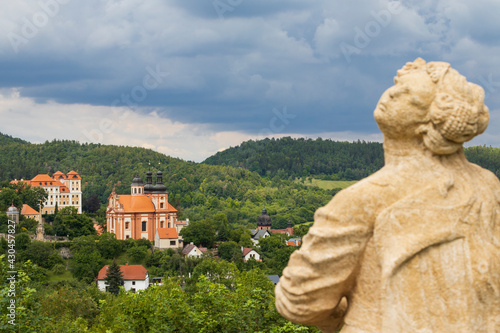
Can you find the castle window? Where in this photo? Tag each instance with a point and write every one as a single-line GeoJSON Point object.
{"type": "Point", "coordinates": [127, 225]}
{"type": "Point", "coordinates": [135, 191]}
{"type": "Point", "coordinates": [144, 225]}
{"type": "Point", "coordinates": [161, 224]}
{"type": "Point", "coordinates": [169, 224]}
{"type": "Point", "coordinates": [161, 204]}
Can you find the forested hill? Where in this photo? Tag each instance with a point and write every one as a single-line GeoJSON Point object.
{"type": "Point", "coordinates": [287, 157]}
{"type": "Point", "coordinates": [327, 159]}
{"type": "Point", "coordinates": [198, 191]}
{"type": "Point", "coordinates": [6, 139]}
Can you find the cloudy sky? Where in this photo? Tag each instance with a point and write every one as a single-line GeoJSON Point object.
{"type": "Point", "coordinates": [188, 78]}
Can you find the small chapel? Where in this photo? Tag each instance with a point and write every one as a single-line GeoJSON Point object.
{"type": "Point", "coordinates": [144, 213]}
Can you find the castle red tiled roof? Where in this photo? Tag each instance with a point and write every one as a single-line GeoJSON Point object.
{"type": "Point", "coordinates": [73, 175]}
{"type": "Point", "coordinates": [171, 208]}
{"type": "Point", "coordinates": [27, 210]}
{"type": "Point", "coordinates": [167, 233]}
{"type": "Point", "coordinates": [43, 178]}
{"type": "Point", "coordinates": [58, 175]}
{"type": "Point", "coordinates": [129, 272]}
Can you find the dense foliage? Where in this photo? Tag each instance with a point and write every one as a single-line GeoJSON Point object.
{"type": "Point", "coordinates": [220, 298]}
{"type": "Point", "coordinates": [326, 159]}
{"type": "Point", "coordinates": [287, 157]}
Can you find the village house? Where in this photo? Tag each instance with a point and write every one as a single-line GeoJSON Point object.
{"type": "Point", "coordinates": [287, 231]}
{"type": "Point", "coordinates": [192, 250]}
{"type": "Point", "coordinates": [135, 277]}
{"type": "Point", "coordinates": [30, 213]}
{"type": "Point", "coordinates": [249, 253]}
{"type": "Point", "coordinates": [294, 241]}
{"type": "Point", "coordinates": [167, 238]}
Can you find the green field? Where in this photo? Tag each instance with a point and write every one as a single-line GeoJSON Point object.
{"type": "Point", "coordinates": [58, 278]}
{"type": "Point", "coordinates": [329, 184]}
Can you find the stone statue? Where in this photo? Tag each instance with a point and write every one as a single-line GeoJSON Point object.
{"type": "Point", "coordinates": [415, 247]}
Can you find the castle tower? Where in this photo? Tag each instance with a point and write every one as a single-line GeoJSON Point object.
{"type": "Point", "coordinates": [137, 186]}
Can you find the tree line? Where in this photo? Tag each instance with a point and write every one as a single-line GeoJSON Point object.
{"type": "Point", "coordinates": [325, 159]}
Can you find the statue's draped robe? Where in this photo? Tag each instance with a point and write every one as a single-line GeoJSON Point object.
{"type": "Point", "coordinates": [428, 262]}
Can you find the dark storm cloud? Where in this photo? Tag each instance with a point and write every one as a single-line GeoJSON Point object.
{"type": "Point", "coordinates": [229, 66]}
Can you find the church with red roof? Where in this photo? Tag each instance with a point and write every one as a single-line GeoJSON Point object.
{"type": "Point", "coordinates": [145, 213]}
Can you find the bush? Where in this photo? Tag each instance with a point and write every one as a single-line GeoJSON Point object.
{"type": "Point", "coordinates": [59, 269]}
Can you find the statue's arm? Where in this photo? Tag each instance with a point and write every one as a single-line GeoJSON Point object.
{"type": "Point", "coordinates": [322, 272]}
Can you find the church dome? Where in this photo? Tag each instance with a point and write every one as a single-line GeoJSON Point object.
{"type": "Point", "coordinates": [13, 210]}
{"type": "Point", "coordinates": [149, 187]}
{"type": "Point", "coordinates": [159, 187]}
{"type": "Point", "coordinates": [137, 180]}
{"type": "Point", "coordinates": [264, 219]}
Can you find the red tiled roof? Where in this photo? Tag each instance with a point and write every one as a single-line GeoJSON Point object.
{"type": "Point", "coordinates": [171, 208]}
{"type": "Point", "coordinates": [247, 250]}
{"type": "Point", "coordinates": [129, 272]}
{"type": "Point", "coordinates": [27, 210]}
{"type": "Point", "coordinates": [136, 203]}
{"type": "Point", "coordinates": [167, 233]}
{"type": "Point", "coordinates": [58, 175]}
{"type": "Point", "coordinates": [180, 222]}
{"type": "Point", "coordinates": [283, 231]}
{"type": "Point", "coordinates": [26, 182]}
{"type": "Point", "coordinates": [73, 175]}
{"type": "Point", "coordinates": [43, 178]}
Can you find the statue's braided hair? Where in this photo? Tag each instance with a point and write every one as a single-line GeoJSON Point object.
{"type": "Point", "coordinates": [457, 113]}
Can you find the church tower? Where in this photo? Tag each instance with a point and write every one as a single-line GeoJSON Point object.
{"type": "Point", "coordinates": [264, 221]}
{"type": "Point", "coordinates": [137, 186]}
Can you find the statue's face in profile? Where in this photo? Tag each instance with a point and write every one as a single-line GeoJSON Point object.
{"type": "Point", "coordinates": [405, 105]}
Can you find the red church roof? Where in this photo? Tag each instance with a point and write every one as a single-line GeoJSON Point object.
{"type": "Point", "coordinates": [136, 203]}
{"type": "Point", "coordinates": [129, 272]}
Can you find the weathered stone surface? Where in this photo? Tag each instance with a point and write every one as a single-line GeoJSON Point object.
{"type": "Point", "coordinates": [416, 246]}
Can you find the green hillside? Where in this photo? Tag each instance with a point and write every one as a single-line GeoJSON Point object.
{"type": "Point", "coordinates": [323, 159]}
{"type": "Point", "coordinates": [199, 191]}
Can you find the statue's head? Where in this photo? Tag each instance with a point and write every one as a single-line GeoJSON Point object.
{"type": "Point", "coordinates": [434, 102]}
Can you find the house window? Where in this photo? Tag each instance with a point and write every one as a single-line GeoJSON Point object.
{"type": "Point", "coordinates": [133, 283]}
{"type": "Point", "coordinates": [132, 290]}
{"type": "Point", "coordinates": [144, 225]}
{"type": "Point", "coordinates": [127, 225]}
{"type": "Point", "coordinates": [172, 243]}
